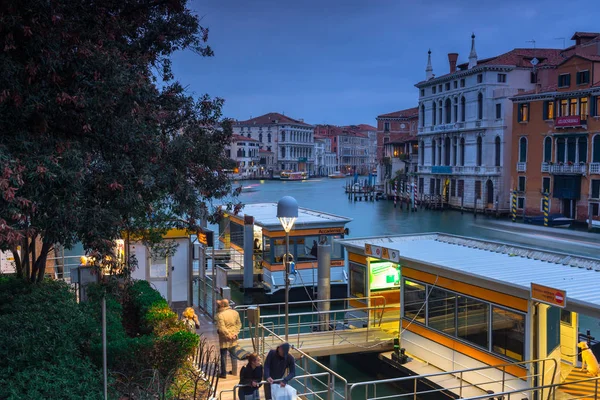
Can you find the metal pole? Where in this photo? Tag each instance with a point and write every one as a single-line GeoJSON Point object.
{"type": "Point", "coordinates": [287, 284]}
{"type": "Point", "coordinates": [104, 363]}
{"type": "Point", "coordinates": [214, 279]}
{"type": "Point", "coordinates": [324, 284]}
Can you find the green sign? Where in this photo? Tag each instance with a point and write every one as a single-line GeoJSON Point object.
{"type": "Point", "coordinates": [302, 159]}
{"type": "Point", "coordinates": [384, 275]}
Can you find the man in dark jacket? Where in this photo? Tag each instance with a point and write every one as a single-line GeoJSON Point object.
{"type": "Point", "coordinates": [276, 364]}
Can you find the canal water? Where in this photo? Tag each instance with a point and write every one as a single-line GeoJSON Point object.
{"type": "Point", "coordinates": [381, 218]}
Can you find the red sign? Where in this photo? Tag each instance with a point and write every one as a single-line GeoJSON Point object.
{"type": "Point", "coordinates": [558, 297]}
{"type": "Point", "coordinates": [572, 120]}
{"type": "Point", "coordinates": [545, 294]}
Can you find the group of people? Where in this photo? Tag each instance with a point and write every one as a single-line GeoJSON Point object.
{"type": "Point", "coordinates": [279, 367]}
{"type": "Point", "coordinates": [277, 363]}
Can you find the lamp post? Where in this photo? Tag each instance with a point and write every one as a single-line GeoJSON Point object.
{"type": "Point", "coordinates": [287, 212]}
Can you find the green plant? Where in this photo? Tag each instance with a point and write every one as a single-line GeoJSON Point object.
{"type": "Point", "coordinates": [46, 339]}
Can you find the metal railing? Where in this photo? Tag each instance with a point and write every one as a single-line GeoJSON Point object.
{"type": "Point", "coordinates": [306, 382]}
{"type": "Point", "coordinates": [462, 386]}
{"type": "Point", "coordinates": [551, 390]}
{"type": "Point", "coordinates": [62, 266]}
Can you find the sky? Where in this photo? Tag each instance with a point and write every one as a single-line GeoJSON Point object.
{"type": "Point", "coordinates": [346, 61]}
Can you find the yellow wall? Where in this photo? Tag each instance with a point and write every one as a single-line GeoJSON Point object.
{"type": "Point", "coordinates": [568, 340]}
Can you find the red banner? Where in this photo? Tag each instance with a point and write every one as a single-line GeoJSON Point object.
{"type": "Point", "coordinates": [572, 120]}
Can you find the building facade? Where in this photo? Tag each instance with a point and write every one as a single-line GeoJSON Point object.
{"type": "Point", "coordinates": [556, 146]}
{"type": "Point", "coordinates": [245, 152]}
{"type": "Point", "coordinates": [465, 125]}
{"type": "Point", "coordinates": [291, 140]}
{"type": "Point", "coordinates": [325, 159]}
{"type": "Point", "coordinates": [395, 126]}
{"type": "Point", "coordinates": [350, 147]}
{"type": "Point", "coordinates": [371, 133]}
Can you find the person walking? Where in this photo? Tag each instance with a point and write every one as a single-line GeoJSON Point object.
{"type": "Point", "coordinates": [277, 363]}
{"type": "Point", "coordinates": [228, 327]}
{"type": "Point", "coordinates": [190, 320]}
{"type": "Point", "coordinates": [250, 375]}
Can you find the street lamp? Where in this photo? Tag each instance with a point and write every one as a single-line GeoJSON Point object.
{"type": "Point", "coordinates": [287, 212]}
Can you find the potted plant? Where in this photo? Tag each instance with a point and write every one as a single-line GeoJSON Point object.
{"type": "Point", "coordinates": [570, 163]}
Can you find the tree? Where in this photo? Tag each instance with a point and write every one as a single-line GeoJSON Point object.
{"type": "Point", "coordinates": [97, 136]}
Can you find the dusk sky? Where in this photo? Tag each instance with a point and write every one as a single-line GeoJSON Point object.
{"type": "Point", "coordinates": [346, 61]}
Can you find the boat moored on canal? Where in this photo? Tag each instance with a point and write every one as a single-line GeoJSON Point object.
{"type": "Point", "coordinates": [293, 176]}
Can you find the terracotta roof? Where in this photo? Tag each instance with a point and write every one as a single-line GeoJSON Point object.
{"type": "Point", "coordinates": [585, 35]}
{"type": "Point", "coordinates": [272, 119]}
{"type": "Point", "coordinates": [408, 113]}
{"type": "Point", "coordinates": [522, 58]}
{"type": "Point", "coordinates": [589, 57]}
{"type": "Point", "coordinates": [240, 138]}
{"type": "Point", "coordinates": [360, 127]}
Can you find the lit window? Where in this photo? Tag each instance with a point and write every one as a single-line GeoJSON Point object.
{"type": "Point", "coordinates": [573, 107]}
{"type": "Point", "coordinates": [549, 114]}
{"type": "Point", "coordinates": [524, 112]}
{"type": "Point", "coordinates": [583, 108]}
{"type": "Point", "coordinates": [564, 107]}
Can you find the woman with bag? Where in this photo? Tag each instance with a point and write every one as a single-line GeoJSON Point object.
{"type": "Point", "coordinates": [250, 375]}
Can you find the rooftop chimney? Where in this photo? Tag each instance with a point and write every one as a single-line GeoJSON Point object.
{"type": "Point", "coordinates": [452, 58]}
{"type": "Point", "coordinates": [473, 54]}
{"type": "Point", "coordinates": [429, 69]}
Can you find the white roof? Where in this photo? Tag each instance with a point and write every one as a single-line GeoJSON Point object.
{"type": "Point", "coordinates": [265, 215]}
{"type": "Point", "coordinates": [502, 265]}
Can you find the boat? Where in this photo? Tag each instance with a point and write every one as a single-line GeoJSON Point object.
{"type": "Point", "coordinates": [337, 175]}
{"type": "Point", "coordinates": [554, 220]}
{"type": "Point", "coordinates": [595, 223]}
{"type": "Point", "coordinates": [249, 188]}
{"type": "Point", "coordinates": [293, 176]}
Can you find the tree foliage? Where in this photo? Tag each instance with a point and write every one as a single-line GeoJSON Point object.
{"type": "Point", "coordinates": [97, 136]}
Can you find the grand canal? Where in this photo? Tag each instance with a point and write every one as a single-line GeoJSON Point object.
{"type": "Point", "coordinates": [381, 218]}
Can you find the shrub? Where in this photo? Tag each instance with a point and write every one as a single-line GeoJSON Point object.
{"type": "Point", "coordinates": [45, 343]}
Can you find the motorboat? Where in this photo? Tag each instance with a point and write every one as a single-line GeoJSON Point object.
{"type": "Point", "coordinates": [337, 175]}
{"type": "Point", "coordinates": [554, 220]}
{"type": "Point", "coordinates": [249, 188]}
{"type": "Point", "coordinates": [294, 176]}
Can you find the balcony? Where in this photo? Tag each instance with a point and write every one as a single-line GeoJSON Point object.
{"type": "Point", "coordinates": [458, 170]}
{"type": "Point", "coordinates": [573, 169]}
{"type": "Point", "coordinates": [521, 167]}
{"type": "Point", "coordinates": [595, 168]}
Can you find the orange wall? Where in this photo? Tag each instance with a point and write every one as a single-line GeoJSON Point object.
{"type": "Point", "coordinates": [536, 130]}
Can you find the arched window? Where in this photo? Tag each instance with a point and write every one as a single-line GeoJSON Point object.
{"type": "Point", "coordinates": [422, 148]}
{"type": "Point", "coordinates": [480, 106]}
{"type": "Point", "coordinates": [269, 137]}
{"type": "Point", "coordinates": [596, 149]}
{"type": "Point", "coordinates": [456, 109]}
{"type": "Point", "coordinates": [479, 150]}
{"type": "Point", "coordinates": [448, 110]}
{"type": "Point", "coordinates": [239, 153]}
{"type": "Point", "coordinates": [523, 149]}
{"type": "Point", "coordinates": [440, 117]}
{"type": "Point", "coordinates": [560, 150]}
{"type": "Point", "coordinates": [498, 151]}
{"type": "Point", "coordinates": [454, 151]}
{"type": "Point", "coordinates": [463, 109]}
{"type": "Point", "coordinates": [447, 151]}
{"type": "Point", "coordinates": [433, 152]}
{"type": "Point", "coordinates": [547, 149]}
{"type": "Point", "coordinates": [283, 136]}
{"type": "Point", "coordinates": [260, 137]}
{"type": "Point", "coordinates": [462, 152]}
{"type": "Point", "coordinates": [282, 153]}
{"type": "Point", "coordinates": [422, 115]}
{"type": "Point", "coordinates": [582, 149]}
{"type": "Point", "coordinates": [433, 113]}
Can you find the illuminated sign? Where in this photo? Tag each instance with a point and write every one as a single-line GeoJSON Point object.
{"type": "Point", "coordinates": [206, 237]}
{"type": "Point", "coordinates": [548, 295]}
{"type": "Point", "coordinates": [384, 275]}
{"type": "Point", "coordinates": [382, 252]}
{"type": "Point", "coordinates": [571, 120]}
{"type": "Point", "coordinates": [329, 231]}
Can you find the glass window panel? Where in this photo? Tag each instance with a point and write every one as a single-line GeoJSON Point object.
{"type": "Point", "coordinates": [441, 311]}
{"type": "Point", "coordinates": [358, 283]}
{"type": "Point", "coordinates": [508, 333]}
{"type": "Point", "coordinates": [582, 144]}
{"type": "Point", "coordinates": [158, 267]}
{"type": "Point", "coordinates": [571, 152]}
{"type": "Point", "coordinates": [552, 329]}
{"type": "Point", "coordinates": [414, 301]}
{"type": "Point", "coordinates": [307, 248]}
{"type": "Point", "coordinates": [564, 107]}
{"type": "Point", "coordinates": [560, 150]}
{"type": "Point", "coordinates": [237, 234]}
{"type": "Point", "coordinates": [473, 321]}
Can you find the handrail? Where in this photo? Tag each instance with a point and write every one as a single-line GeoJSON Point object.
{"type": "Point", "coordinates": [310, 302]}
{"type": "Point", "coordinates": [552, 387]}
{"type": "Point", "coordinates": [501, 367]}
{"type": "Point", "coordinates": [306, 356]}
{"type": "Point", "coordinates": [234, 390]}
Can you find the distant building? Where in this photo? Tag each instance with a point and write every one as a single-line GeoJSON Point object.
{"type": "Point", "coordinates": [371, 133]}
{"type": "Point", "coordinates": [395, 126]}
{"type": "Point", "coordinates": [465, 125]}
{"type": "Point", "coordinates": [244, 151]}
{"type": "Point", "coordinates": [556, 145]}
{"type": "Point", "coordinates": [290, 140]}
{"type": "Point", "coordinates": [325, 159]}
{"type": "Point", "coordinates": [351, 147]}
{"type": "Point", "coordinates": [400, 158]}
{"type": "Point", "coordinates": [266, 162]}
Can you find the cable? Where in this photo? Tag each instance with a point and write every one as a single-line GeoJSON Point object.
{"type": "Point", "coordinates": [425, 302]}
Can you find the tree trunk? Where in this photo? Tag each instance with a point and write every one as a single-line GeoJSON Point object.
{"type": "Point", "coordinates": [26, 263]}
{"type": "Point", "coordinates": [18, 261]}
{"type": "Point", "coordinates": [33, 258]}
{"type": "Point", "coordinates": [41, 261]}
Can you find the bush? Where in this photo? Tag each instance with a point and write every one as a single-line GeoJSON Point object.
{"type": "Point", "coordinates": [45, 343]}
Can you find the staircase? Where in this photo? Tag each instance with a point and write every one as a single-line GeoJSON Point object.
{"type": "Point", "coordinates": [583, 390]}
